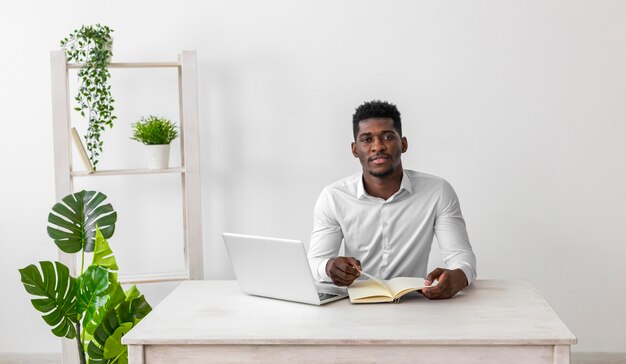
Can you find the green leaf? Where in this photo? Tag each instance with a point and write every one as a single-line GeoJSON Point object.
{"type": "Point", "coordinates": [130, 311]}
{"type": "Point", "coordinates": [113, 347]}
{"type": "Point", "coordinates": [58, 290]}
{"type": "Point", "coordinates": [133, 310]}
{"type": "Point", "coordinates": [93, 283]}
{"type": "Point", "coordinates": [72, 222]}
{"type": "Point", "coordinates": [132, 293]}
{"type": "Point", "coordinates": [103, 305]}
{"type": "Point", "coordinates": [102, 254]}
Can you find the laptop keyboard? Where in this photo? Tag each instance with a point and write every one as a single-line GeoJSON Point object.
{"type": "Point", "coordinates": [325, 296]}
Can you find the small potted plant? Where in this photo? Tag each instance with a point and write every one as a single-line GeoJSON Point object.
{"type": "Point", "coordinates": [156, 133]}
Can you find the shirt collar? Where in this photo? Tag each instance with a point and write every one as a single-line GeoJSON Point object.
{"type": "Point", "coordinates": [405, 184]}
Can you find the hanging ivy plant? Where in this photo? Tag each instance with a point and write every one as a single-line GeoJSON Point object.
{"type": "Point", "coordinates": [91, 46]}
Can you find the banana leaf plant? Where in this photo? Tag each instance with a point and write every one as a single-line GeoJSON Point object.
{"type": "Point", "coordinates": [92, 307]}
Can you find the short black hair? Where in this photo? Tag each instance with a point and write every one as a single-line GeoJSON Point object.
{"type": "Point", "coordinates": [376, 109]}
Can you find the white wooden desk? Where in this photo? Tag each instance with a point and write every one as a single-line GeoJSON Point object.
{"type": "Point", "coordinates": [493, 321]}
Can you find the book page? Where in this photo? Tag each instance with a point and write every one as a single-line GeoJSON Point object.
{"type": "Point", "coordinates": [382, 282]}
{"type": "Point", "coordinates": [402, 285]}
{"type": "Point", "coordinates": [369, 288]}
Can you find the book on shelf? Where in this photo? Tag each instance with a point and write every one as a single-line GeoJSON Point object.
{"type": "Point", "coordinates": [376, 290]}
{"type": "Point", "coordinates": [80, 147]}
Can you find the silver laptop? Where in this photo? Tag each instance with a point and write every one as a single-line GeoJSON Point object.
{"type": "Point", "coordinates": [277, 268]}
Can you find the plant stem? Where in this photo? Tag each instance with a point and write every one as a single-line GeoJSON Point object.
{"type": "Point", "coordinates": [81, 350]}
{"type": "Point", "coordinates": [82, 261]}
{"type": "Point", "coordinates": [81, 341]}
{"type": "Point", "coordinates": [82, 338]}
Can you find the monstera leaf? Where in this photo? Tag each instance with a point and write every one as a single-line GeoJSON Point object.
{"type": "Point", "coordinates": [92, 284]}
{"type": "Point", "coordinates": [104, 304]}
{"type": "Point", "coordinates": [102, 254]}
{"type": "Point", "coordinates": [113, 347]}
{"type": "Point", "coordinates": [73, 221]}
{"type": "Point", "coordinates": [113, 295]}
{"type": "Point", "coordinates": [58, 290]}
{"type": "Point", "coordinates": [106, 346]}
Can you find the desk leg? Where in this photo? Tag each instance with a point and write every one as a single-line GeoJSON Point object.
{"type": "Point", "coordinates": [135, 354]}
{"type": "Point", "coordinates": [561, 354]}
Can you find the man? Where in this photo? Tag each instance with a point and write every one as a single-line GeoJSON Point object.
{"type": "Point", "coordinates": [387, 217]}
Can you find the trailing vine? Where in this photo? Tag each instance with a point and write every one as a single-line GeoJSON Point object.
{"type": "Point", "coordinates": [91, 46]}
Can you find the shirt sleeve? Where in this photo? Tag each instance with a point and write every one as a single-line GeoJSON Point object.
{"type": "Point", "coordinates": [452, 235]}
{"type": "Point", "coordinates": [326, 237]}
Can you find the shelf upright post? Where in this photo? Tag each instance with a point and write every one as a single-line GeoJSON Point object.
{"type": "Point", "coordinates": [190, 155]}
{"type": "Point", "coordinates": [62, 163]}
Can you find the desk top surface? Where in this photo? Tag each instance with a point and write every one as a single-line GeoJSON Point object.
{"type": "Point", "coordinates": [490, 312]}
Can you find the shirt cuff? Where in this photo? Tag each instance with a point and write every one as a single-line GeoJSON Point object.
{"type": "Point", "coordinates": [468, 270]}
{"type": "Point", "coordinates": [321, 271]}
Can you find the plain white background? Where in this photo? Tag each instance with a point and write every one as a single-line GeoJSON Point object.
{"type": "Point", "coordinates": [520, 105]}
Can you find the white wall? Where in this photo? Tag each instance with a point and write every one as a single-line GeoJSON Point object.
{"type": "Point", "coordinates": [519, 104]}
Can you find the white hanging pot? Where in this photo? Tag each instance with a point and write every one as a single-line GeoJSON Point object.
{"type": "Point", "coordinates": [158, 156]}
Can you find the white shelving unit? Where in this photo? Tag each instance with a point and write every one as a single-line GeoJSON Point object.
{"type": "Point", "coordinates": [189, 170]}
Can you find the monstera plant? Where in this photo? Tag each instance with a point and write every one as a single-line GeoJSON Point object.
{"type": "Point", "coordinates": [92, 307]}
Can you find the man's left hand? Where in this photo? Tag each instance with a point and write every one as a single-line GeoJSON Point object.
{"type": "Point", "coordinates": [449, 283]}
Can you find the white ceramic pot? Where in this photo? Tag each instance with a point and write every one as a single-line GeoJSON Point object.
{"type": "Point", "coordinates": [158, 156]}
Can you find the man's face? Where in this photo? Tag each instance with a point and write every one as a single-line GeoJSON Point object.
{"type": "Point", "coordinates": [379, 147]}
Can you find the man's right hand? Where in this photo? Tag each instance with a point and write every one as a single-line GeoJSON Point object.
{"type": "Point", "coordinates": [343, 270]}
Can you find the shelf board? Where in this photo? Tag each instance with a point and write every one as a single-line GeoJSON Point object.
{"type": "Point", "coordinates": [153, 277]}
{"type": "Point", "coordinates": [132, 65]}
{"type": "Point", "coordinates": [124, 172]}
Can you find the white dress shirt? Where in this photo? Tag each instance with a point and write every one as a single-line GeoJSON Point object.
{"type": "Point", "coordinates": [391, 238]}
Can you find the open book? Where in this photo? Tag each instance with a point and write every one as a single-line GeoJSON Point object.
{"type": "Point", "coordinates": [376, 290]}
